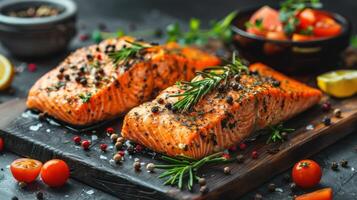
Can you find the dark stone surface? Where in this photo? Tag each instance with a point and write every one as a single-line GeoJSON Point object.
{"type": "Point", "coordinates": [151, 14]}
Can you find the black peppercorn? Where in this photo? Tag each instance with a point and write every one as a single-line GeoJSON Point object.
{"type": "Point", "coordinates": [154, 44]}
{"type": "Point", "coordinates": [15, 198]}
{"type": "Point", "coordinates": [137, 166]}
{"type": "Point", "coordinates": [229, 100]}
{"type": "Point", "coordinates": [83, 81]}
{"type": "Point", "coordinates": [221, 88]}
{"type": "Point", "coordinates": [82, 69]}
{"type": "Point", "coordinates": [168, 106]}
{"type": "Point", "coordinates": [326, 121]}
{"type": "Point", "coordinates": [78, 79]}
{"type": "Point", "coordinates": [67, 77]}
{"type": "Point", "coordinates": [286, 178]}
{"type": "Point", "coordinates": [344, 163]}
{"type": "Point", "coordinates": [236, 77]}
{"type": "Point", "coordinates": [59, 76]}
{"type": "Point", "coordinates": [155, 109]}
{"type": "Point", "coordinates": [236, 86]}
{"type": "Point", "coordinates": [334, 166]}
{"type": "Point", "coordinates": [61, 70]}
{"type": "Point", "coordinates": [89, 57]}
{"type": "Point", "coordinates": [97, 77]}
{"type": "Point", "coordinates": [271, 187]}
{"type": "Point", "coordinates": [254, 72]}
{"type": "Point", "coordinates": [130, 150]}
{"type": "Point", "coordinates": [39, 195]}
{"type": "Point", "coordinates": [160, 101]}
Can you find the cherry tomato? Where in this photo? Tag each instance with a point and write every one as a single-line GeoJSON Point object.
{"type": "Point", "coordinates": [1, 145]}
{"type": "Point", "coordinates": [301, 37]}
{"type": "Point", "coordinates": [55, 173]}
{"type": "Point", "coordinates": [306, 173]}
{"type": "Point", "coordinates": [270, 21]}
{"type": "Point", "coordinates": [325, 26]}
{"type": "Point", "coordinates": [307, 18]}
{"type": "Point", "coordinates": [25, 169]}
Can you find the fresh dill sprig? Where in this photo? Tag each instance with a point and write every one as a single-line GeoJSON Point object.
{"type": "Point", "coordinates": [182, 169]}
{"type": "Point", "coordinates": [290, 8]}
{"type": "Point", "coordinates": [205, 82]}
{"type": "Point", "coordinates": [125, 53]}
{"type": "Point", "coordinates": [276, 132]}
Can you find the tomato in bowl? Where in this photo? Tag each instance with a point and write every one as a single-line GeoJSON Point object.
{"type": "Point", "coordinates": [295, 52]}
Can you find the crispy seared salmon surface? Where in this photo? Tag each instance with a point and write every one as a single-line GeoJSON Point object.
{"type": "Point", "coordinates": [220, 119]}
{"type": "Point", "coordinates": [88, 87]}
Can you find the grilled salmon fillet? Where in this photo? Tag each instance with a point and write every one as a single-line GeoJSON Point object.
{"type": "Point", "coordinates": [89, 86]}
{"type": "Point", "coordinates": [220, 119]}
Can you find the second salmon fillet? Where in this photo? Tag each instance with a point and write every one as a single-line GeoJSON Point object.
{"type": "Point", "coordinates": [222, 118]}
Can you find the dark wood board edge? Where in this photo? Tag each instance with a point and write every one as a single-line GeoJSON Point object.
{"type": "Point", "coordinates": [10, 110]}
{"type": "Point", "coordinates": [308, 147]}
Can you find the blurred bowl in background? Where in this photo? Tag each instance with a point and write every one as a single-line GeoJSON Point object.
{"type": "Point", "coordinates": [287, 55]}
{"type": "Point", "coordinates": [40, 35]}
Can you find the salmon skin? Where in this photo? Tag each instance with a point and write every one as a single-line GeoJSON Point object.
{"type": "Point", "coordinates": [88, 87]}
{"type": "Point", "coordinates": [221, 118]}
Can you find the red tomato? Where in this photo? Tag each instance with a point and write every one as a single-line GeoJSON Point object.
{"type": "Point", "coordinates": [306, 173]}
{"type": "Point", "coordinates": [326, 26]}
{"type": "Point", "coordinates": [25, 169]}
{"type": "Point", "coordinates": [55, 173]}
{"type": "Point", "coordinates": [1, 144]}
{"type": "Point", "coordinates": [323, 194]}
{"type": "Point", "coordinates": [307, 18]}
{"type": "Point", "coordinates": [270, 21]}
{"type": "Point", "coordinates": [301, 37]}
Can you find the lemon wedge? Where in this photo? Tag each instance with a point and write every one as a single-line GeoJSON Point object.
{"type": "Point", "coordinates": [6, 72]}
{"type": "Point", "coordinates": [340, 83]}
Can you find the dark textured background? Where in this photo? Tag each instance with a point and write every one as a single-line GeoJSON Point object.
{"type": "Point", "coordinates": [151, 14]}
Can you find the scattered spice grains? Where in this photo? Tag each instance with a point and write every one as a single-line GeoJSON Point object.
{"type": "Point", "coordinates": [334, 166]}
{"type": "Point", "coordinates": [150, 167]}
{"type": "Point", "coordinates": [227, 170]}
{"type": "Point", "coordinates": [326, 106]}
{"type": "Point", "coordinates": [326, 121]}
{"type": "Point", "coordinates": [114, 137]}
{"type": "Point", "coordinates": [22, 185]}
{"type": "Point", "coordinates": [39, 196]}
{"type": "Point", "coordinates": [344, 163]}
{"type": "Point", "coordinates": [103, 147]}
{"type": "Point", "coordinates": [292, 187]}
{"type": "Point", "coordinates": [77, 140]}
{"type": "Point", "coordinates": [85, 144]}
{"type": "Point", "coordinates": [255, 154]}
{"type": "Point", "coordinates": [14, 198]}
{"type": "Point", "coordinates": [204, 189]}
{"type": "Point", "coordinates": [202, 181]}
{"type": "Point", "coordinates": [137, 166]}
{"type": "Point", "coordinates": [117, 158]}
{"type": "Point", "coordinates": [31, 67]}
{"type": "Point", "coordinates": [337, 113]}
{"type": "Point", "coordinates": [240, 158]}
{"type": "Point", "coordinates": [118, 145]}
{"type": "Point", "coordinates": [271, 187]}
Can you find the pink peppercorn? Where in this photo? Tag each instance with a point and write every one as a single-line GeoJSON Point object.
{"type": "Point", "coordinates": [242, 146]}
{"type": "Point", "coordinates": [31, 67]}
{"type": "Point", "coordinates": [77, 140]}
{"type": "Point", "coordinates": [103, 147]}
{"type": "Point", "coordinates": [254, 154]}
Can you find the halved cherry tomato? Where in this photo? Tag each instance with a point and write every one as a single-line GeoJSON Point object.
{"type": "Point", "coordinates": [25, 169]}
{"type": "Point", "coordinates": [306, 173]}
{"type": "Point", "coordinates": [325, 26]}
{"type": "Point", "coordinates": [307, 18]}
{"type": "Point", "coordinates": [55, 173]}
{"type": "Point", "coordinates": [1, 144]}
{"type": "Point", "coordinates": [323, 194]}
{"type": "Point", "coordinates": [301, 37]}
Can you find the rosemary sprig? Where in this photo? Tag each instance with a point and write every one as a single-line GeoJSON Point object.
{"type": "Point", "coordinates": [125, 53]}
{"type": "Point", "coordinates": [205, 82]}
{"type": "Point", "coordinates": [183, 169]}
{"type": "Point", "coordinates": [195, 35]}
{"type": "Point", "coordinates": [276, 133]}
{"type": "Point", "coordinates": [290, 8]}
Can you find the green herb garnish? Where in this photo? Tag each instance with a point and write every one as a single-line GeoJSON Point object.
{"type": "Point", "coordinates": [85, 97]}
{"type": "Point", "coordinates": [205, 82]}
{"type": "Point", "coordinates": [195, 35]}
{"type": "Point", "coordinates": [307, 31]}
{"type": "Point", "coordinates": [276, 133]}
{"type": "Point", "coordinates": [290, 8]}
{"type": "Point", "coordinates": [182, 169]}
{"type": "Point", "coordinates": [258, 23]}
{"type": "Point", "coordinates": [125, 53]}
{"type": "Point", "coordinates": [354, 41]}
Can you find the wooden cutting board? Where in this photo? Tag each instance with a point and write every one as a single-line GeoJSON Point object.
{"type": "Point", "coordinates": [93, 167]}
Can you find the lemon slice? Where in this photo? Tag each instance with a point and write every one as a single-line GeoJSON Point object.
{"type": "Point", "coordinates": [340, 83]}
{"type": "Point", "coordinates": [6, 72]}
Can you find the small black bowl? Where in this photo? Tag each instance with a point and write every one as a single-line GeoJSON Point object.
{"type": "Point", "coordinates": [37, 36]}
{"type": "Point", "coordinates": [291, 56]}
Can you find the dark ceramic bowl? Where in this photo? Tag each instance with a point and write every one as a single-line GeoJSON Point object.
{"type": "Point", "coordinates": [291, 56]}
{"type": "Point", "coordinates": [39, 36]}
